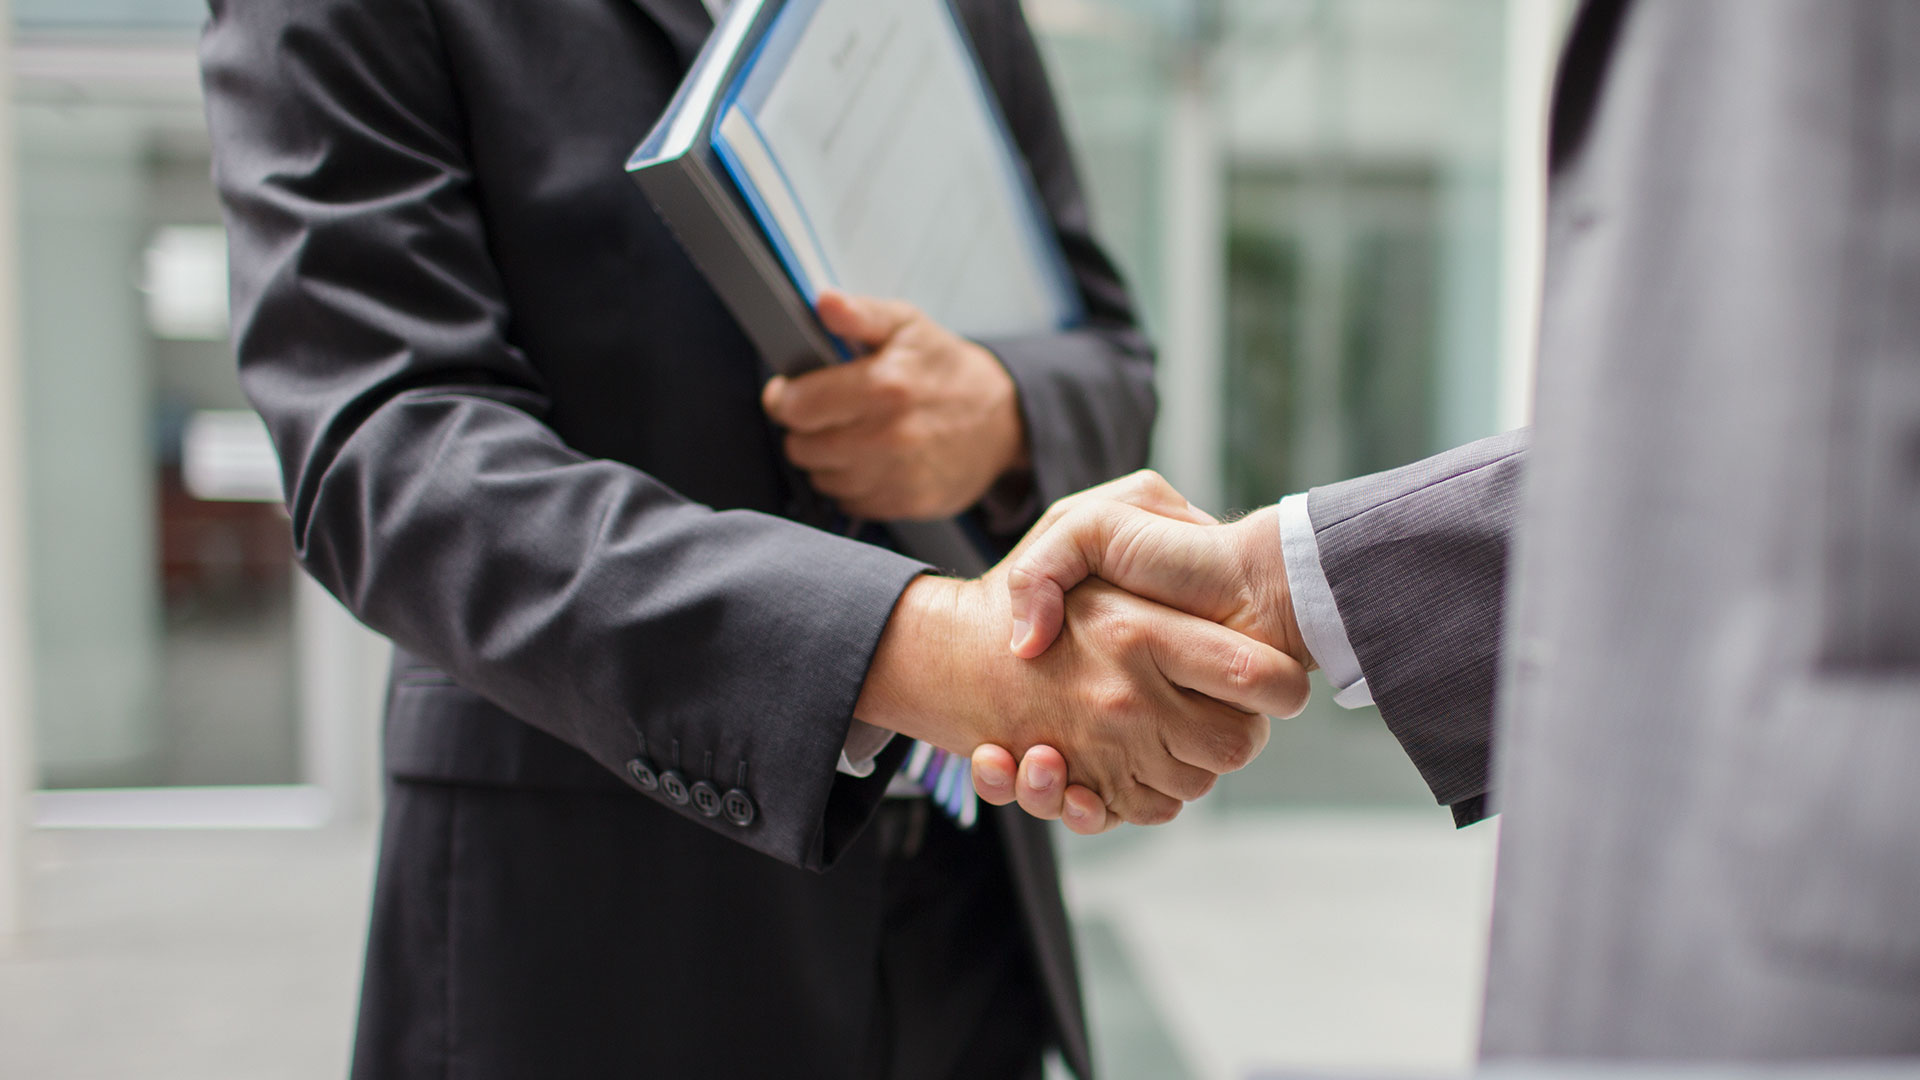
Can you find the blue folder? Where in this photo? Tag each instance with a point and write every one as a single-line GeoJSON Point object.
{"type": "Point", "coordinates": [723, 214]}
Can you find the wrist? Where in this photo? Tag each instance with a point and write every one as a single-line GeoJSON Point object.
{"type": "Point", "coordinates": [915, 685]}
{"type": "Point", "coordinates": [900, 661]}
{"type": "Point", "coordinates": [1015, 453]}
{"type": "Point", "coordinates": [1263, 567]}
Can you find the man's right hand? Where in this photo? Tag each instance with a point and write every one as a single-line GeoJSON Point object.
{"type": "Point", "coordinates": [1149, 704]}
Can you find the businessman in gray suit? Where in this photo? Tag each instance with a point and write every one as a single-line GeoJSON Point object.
{"type": "Point", "coordinates": [1688, 602]}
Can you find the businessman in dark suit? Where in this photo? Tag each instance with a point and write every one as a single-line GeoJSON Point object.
{"type": "Point", "coordinates": [1688, 600]}
{"type": "Point", "coordinates": [521, 438]}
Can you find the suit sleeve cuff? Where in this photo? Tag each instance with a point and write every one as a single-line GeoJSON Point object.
{"type": "Point", "coordinates": [1324, 634]}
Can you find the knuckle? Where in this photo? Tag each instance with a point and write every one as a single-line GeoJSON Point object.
{"type": "Point", "coordinates": [1156, 811]}
{"type": "Point", "coordinates": [902, 437]}
{"type": "Point", "coordinates": [1114, 700]}
{"type": "Point", "coordinates": [1110, 621]}
{"type": "Point", "coordinates": [893, 390]}
{"type": "Point", "coordinates": [797, 403]}
{"type": "Point", "coordinates": [1238, 745]}
{"type": "Point", "coordinates": [1022, 578]}
{"type": "Point", "coordinates": [916, 332]}
{"type": "Point", "coordinates": [1084, 520]}
{"type": "Point", "coordinates": [1245, 669]}
{"type": "Point", "coordinates": [1201, 786]}
{"type": "Point", "coordinates": [1058, 511]}
{"type": "Point", "coordinates": [1038, 806]}
{"type": "Point", "coordinates": [1144, 482]}
{"type": "Point", "coordinates": [1092, 825]}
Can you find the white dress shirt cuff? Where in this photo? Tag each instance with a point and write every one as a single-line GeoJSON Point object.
{"type": "Point", "coordinates": [864, 743]}
{"type": "Point", "coordinates": [1320, 627]}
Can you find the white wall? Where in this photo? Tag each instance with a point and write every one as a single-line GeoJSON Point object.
{"type": "Point", "coordinates": [16, 752]}
{"type": "Point", "coordinates": [94, 592]}
{"type": "Point", "coordinates": [1535, 29]}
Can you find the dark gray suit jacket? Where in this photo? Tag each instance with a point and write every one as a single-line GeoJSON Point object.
{"type": "Point", "coordinates": [523, 439]}
{"type": "Point", "coordinates": [1703, 656]}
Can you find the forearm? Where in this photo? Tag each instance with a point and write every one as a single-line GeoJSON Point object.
{"type": "Point", "coordinates": [1415, 561]}
{"type": "Point", "coordinates": [589, 601]}
{"type": "Point", "coordinates": [427, 491]}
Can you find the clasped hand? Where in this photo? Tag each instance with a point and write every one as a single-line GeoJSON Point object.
{"type": "Point", "coordinates": [1128, 695]}
{"type": "Point", "coordinates": [1141, 535]}
{"type": "Point", "coordinates": [1138, 705]}
{"type": "Point", "coordinates": [920, 427]}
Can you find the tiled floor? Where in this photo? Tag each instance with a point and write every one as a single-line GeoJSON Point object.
{"type": "Point", "coordinates": [1222, 944]}
{"type": "Point", "coordinates": [186, 956]}
{"type": "Point", "coordinates": [1351, 942]}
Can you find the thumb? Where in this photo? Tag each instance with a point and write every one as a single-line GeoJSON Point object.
{"type": "Point", "coordinates": [863, 320]}
{"type": "Point", "coordinates": [1041, 576]}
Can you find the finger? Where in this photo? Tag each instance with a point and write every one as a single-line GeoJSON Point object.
{"type": "Point", "coordinates": [864, 320]}
{"type": "Point", "coordinates": [838, 448]}
{"type": "Point", "coordinates": [1171, 776]}
{"type": "Point", "coordinates": [1227, 666]}
{"type": "Point", "coordinates": [1197, 736]}
{"type": "Point", "coordinates": [773, 394]}
{"type": "Point", "coordinates": [834, 396]}
{"type": "Point", "coordinates": [1085, 814]}
{"type": "Point", "coordinates": [1143, 488]}
{"type": "Point", "coordinates": [1042, 783]}
{"type": "Point", "coordinates": [1039, 578]}
{"type": "Point", "coordinates": [1046, 563]}
{"type": "Point", "coordinates": [1214, 737]}
{"type": "Point", "coordinates": [1172, 562]}
{"type": "Point", "coordinates": [1138, 804]}
{"type": "Point", "coordinates": [993, 769]}
{"type": "Point", "coordinates": [1148, 490]}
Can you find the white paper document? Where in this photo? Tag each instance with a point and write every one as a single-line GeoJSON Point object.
{"type": "Point", "coordinates": [864, 138]}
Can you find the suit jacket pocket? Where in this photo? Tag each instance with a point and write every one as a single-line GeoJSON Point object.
{"type": "Point", "coordinates": [438, 730]}
{"type": "Point", "coordinates": [1829, 850]}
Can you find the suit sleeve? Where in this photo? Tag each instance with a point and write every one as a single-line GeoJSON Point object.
{"type": "Point", "coordinates": [580, 595]}
{"type": "Point", "coordinates": [1086, 394]}
{"type": "Point", "coordinates": [1417, 562]}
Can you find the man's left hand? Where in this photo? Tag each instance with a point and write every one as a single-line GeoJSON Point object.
{"type": "Point", "coordinates": [919, 429]}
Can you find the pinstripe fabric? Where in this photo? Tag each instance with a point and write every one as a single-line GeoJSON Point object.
{"type": "Point", "coordinates": [1417, 560]}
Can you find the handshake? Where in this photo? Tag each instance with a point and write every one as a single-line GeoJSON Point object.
{"type": "Point", "coordinates": [1129, 651]}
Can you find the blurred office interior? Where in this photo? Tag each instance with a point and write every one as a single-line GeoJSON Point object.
{"type": "Point", "coordinates": [1329, 211]}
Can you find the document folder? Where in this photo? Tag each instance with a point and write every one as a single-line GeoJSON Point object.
{"type": "Point", "coordinates": [854, 144]}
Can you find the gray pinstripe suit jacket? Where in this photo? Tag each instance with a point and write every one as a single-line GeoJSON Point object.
{"type": "Point", "coordinates": [1703, 656]}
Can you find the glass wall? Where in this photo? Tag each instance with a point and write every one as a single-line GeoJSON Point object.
{"type": "Point", "coordinates": [1359, 146]}
{"type": "Point", "coordinates": [1329, 178]}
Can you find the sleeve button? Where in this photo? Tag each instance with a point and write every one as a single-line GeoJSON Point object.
{"type": "Point", "coordinates": [739, 808]}
{"type": "Point", "coordinates": [675, 786]}
{"type": "Point", "coordinates": [706, 799]}
{"type": "Point", "coordinates": [643, 775]}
